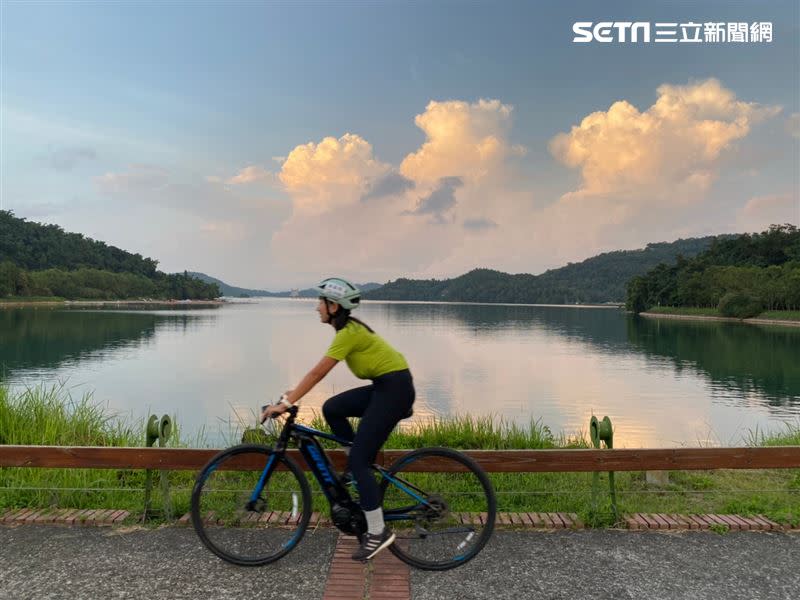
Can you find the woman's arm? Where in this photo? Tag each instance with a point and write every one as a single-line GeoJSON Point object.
{"type": "Point", "coordinates": [312, 378]}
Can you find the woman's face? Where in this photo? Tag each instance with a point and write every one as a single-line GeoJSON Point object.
{"type": "Point", "coordinates": [325, 312]}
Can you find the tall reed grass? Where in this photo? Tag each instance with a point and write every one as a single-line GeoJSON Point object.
{"type": "Point", "coordinates": [50, 416]}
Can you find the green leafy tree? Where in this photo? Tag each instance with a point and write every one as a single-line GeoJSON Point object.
{"type": "Point", "coordinates": [737, 274]}
{"type": "Point", "coordinates": [45, 260]}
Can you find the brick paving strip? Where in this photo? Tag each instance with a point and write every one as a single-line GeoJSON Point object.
{"type": "Point", "coordinates": [729, 522]}
{"type": "Point", "coordinates": [505, 520]}
{"type": "Point", "coordinates": [64, 516]}
{"type": "Point", "coordinates": [383, 578]}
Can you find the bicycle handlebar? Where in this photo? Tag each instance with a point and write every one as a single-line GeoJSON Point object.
{"type": "Point", "coordinates": [288, 410]}
{"type": "Point", "coordinates": [265, 407]}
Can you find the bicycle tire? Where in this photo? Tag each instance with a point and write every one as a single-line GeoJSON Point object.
{"type": "Point", "coordinates": [225, 524]}
{"type": "Point", "coordinates": [409, 548]}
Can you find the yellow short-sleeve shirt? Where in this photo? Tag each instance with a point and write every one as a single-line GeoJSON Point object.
{"type": "Point", "coordinates": [367, 354]}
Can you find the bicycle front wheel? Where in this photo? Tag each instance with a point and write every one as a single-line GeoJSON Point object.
{"type": "Point", "coordinates": [237, 523]}
{"type": "Point", "coordinates": [441, 506]}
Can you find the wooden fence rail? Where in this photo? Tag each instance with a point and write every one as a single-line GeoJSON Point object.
{"type": "Point", "coordinates": [495, 461]}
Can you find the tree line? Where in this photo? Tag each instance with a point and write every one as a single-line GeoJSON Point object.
{"type": "Point", "coordinates": [741, 276]}
{"type": "Point", "coordinates": [44, 260]}
{"type": "Point", "coordinates": [602, 278]}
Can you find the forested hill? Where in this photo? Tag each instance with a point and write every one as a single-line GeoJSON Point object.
{"type": "Point", "coordinates": [598, 279]}
{"type": "Point", "coordinates": [34, 247]}
{"type": "Point", "coordinates": [45, 260]}
{"type": "Point", "coordinates": [740, 276]}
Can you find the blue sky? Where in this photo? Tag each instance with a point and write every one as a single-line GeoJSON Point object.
{"type": "Point", "coordinates": [195, 132]}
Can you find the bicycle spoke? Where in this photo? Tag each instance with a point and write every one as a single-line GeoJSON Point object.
{"type": "Point", "coordinates": [240, 529]}
{"type": "Point", "coordinates": [441, 531]}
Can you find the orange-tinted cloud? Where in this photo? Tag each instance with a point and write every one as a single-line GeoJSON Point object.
{"type": "Point", "coordinates": [675, 142]}
{"type": "Point", "coordinates": [462, 140]}
{"type": "Point", "coordinates": [457, 202]}
{"type": "Point", "coordinates": [329, 174]}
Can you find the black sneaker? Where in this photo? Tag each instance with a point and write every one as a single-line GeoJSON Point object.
{"type": "Point", "coordinates": [372, 544]}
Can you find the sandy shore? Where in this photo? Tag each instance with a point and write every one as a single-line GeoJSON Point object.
{"type": "Point", "coordinates": [755, 321]}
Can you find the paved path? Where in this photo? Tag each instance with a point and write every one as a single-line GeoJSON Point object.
{"type": "Point", "coordinates": [41, 562]}
{"type": "Point", "coordinates": [602, 564]}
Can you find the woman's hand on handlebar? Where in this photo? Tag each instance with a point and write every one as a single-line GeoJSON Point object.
{"type": "Point", "coordinates": [270, 411]}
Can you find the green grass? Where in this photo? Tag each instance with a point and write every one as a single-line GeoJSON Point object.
{"type": "Point", "coordinates": [470, 433]}
{"type": "Point", "coordinates": [51, 416]}
{"type": "Point", "coordinates": [781, 315]}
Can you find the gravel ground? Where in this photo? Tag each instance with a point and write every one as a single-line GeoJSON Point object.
{"type": "Point", "coordinates": [607, 564]}
{"type": "Point", "coordinates": [51, 562]}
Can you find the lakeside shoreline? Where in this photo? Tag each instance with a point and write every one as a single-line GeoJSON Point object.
{"type": "Point", "coordinates": [112, 303]}
{"type": "Point", "coordinates": [235, 300]}
{"type": "Point", "coordinates": [753, 320]}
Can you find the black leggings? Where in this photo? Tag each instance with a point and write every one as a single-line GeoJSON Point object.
{"type": "Point", "coordinates": [381, 406]}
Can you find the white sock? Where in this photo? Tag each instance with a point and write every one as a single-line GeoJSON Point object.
{"type": "Point", "coordinates": [374, 521]}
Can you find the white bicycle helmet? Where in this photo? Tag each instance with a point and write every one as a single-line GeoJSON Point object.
{"type": "Point", "coordinates": [340, 291]}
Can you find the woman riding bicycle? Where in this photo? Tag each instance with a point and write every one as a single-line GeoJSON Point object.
{"type": "Point", "coordinates": [380, 405]}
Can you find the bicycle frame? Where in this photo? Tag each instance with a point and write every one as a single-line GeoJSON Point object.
{"type": "Point", "coordinates": [320, 465]}
{"type": "Point", "coordinates": [427, 514]}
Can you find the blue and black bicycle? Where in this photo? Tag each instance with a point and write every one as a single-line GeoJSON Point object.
{"type": "Point", "coordinates": [251, 504]}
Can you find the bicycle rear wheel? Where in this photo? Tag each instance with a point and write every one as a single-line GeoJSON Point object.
{"type": "Point", "coordinates": [441, 506]}
{"type": "Point", "coordinates": [239, 528]}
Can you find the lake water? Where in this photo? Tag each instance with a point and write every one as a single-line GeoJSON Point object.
{"type": "Point", "coordinates": [662, 383]}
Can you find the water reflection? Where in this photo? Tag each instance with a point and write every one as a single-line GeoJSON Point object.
{"type": "Point", "coordinates": [602, 326]}
{"type": "Point", "coordinates": [760, 363]}
{"type": "Point", "coordinates": [662, 382]}
{"type": "Point", "coordinates": [740, 360]}
{"type": "Point", "coordinates": [47, 338]}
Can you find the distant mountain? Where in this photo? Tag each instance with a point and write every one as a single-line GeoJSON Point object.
{"type": "Point", "coordinates": [229, 290]}
{"type": "Point", "coordinates": [595, 280]}
{"type": "Point", "coordinates": [237, 292]}
{"type": "Point", "coordinates": [311, 293]}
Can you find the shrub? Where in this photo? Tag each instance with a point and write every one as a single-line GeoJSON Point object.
{"type": "Point", "coordinates": [740, 305]}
